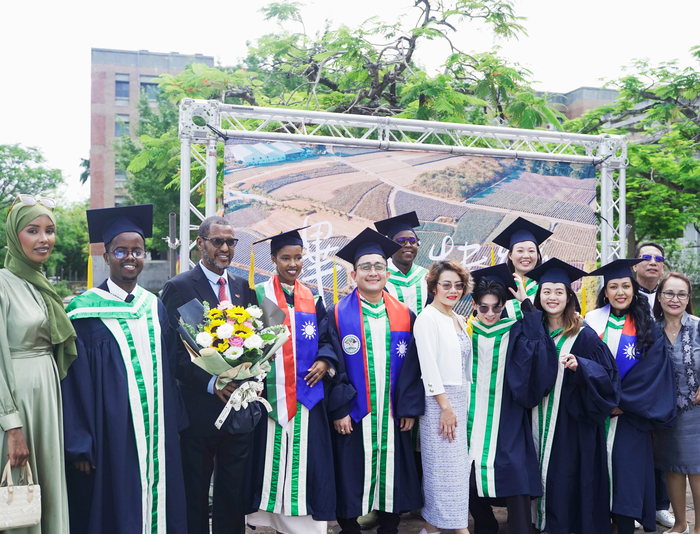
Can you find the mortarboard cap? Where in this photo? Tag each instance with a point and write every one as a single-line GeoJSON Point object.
{"type": "Point", "coordinates": [283, 239]}
{"type": "Point", "coordinates": [616, 269]}
{"type": "Point", "coordinates": [521, 230]}
{"type": "Point", "coordinates": [499, 273]}
{"type": "Point", "coordinates": [368, 242]}
{"type": "Point", "coordinates": [556, 271]}
{"type": "Point", "coordinates": [393, 225]}
{"type": "Point", "coordinates": [105, 224]}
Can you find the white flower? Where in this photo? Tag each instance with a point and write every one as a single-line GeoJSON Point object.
{"type": "Point", "coordinates": [233, 353]}
{"type": "Point", "coordinates": [254, 342]}
{"type": "Point", "coordinates": [204, 339]}
{"type": "Point", "coordinates": [224, 305]}
{"type": "Point", "coordinates": [255, 312]}
{"type": "Point", "coordinates": [225, 331]}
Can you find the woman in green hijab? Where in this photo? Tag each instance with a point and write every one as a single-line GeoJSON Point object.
{"type": "Point", "coordinates": [37, 345]}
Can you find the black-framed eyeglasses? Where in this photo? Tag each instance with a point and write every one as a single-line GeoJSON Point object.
{"type": "Point", "coordinates": [670, 295]}
{"type": "Point", "coordinates": [407, 240]}
{"type": "Point", "coordinates": [121, 253]}
{"type": "Point", "coordinates": [459, 286]}
{"type": "Point", "coordinates": [483, 310]}
{"type": "Point", "coordinates": [219, 242]}
{"type": "Point", "coordinates": [367, 267]}
{"type": "Point", "coordinates": [648, 257]}
{"type": "Point", "coordinates": [29, 200]}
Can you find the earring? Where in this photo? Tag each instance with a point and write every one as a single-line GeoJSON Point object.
{"type": "Point", "coordinates": [605, 300]}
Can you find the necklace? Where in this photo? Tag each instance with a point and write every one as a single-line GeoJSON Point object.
{"type": "Point", "coordinates": [674, 335]}
{"type": "Point", "coordinates": [442, 312]}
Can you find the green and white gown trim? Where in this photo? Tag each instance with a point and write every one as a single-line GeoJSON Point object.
{"type": "Point", "coordinates": [544, 424]}
{"type": "Point", "coordinates": [136, 329]}
{"type": "Point", "coordinates": [286, 466]}
{"type": "Point", "coordinates": [611, 337]}
{"type": "Point", "coordinates": [489, 349]}
{"type": "Point", "coordinates": [378, 425]}
{"type": "Point", "coordinates": [513, 306]}
{"type": "Point", "coordinates": [411, 288]}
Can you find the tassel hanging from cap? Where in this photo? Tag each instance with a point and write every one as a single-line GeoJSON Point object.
{"type": "Point", "coordinates": [335, 282]}
{"type": "Point", "coordinates": [251, 271]}
{"type": "Point", "coordinates": [493, 256]}
{"type": "Point", "coordinates": [583, 299]}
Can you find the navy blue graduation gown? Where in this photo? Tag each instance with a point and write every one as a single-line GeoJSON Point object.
{"type": "Point", "coordinates": [348, 448]}
{"type": "Point", "coordinates": [99, 429]}
{"type": "Point", "coordinates": [648, 402]}
{"type": "Point", "coordinates": [320, 479]}
{"type": "Point", "coordinates": [531, 370]}
{"type": "Point", "coordinates": [578, 494]}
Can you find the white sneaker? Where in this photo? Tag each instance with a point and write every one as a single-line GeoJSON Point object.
{"type": "Point", "coordinates": [665, 518]}
{"type": "Point", "coordinates": [637, 525]}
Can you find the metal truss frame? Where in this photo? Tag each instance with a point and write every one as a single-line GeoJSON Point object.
{"type": "Point", "coordinates": [202, 122]}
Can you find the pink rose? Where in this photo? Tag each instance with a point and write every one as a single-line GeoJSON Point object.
{"type": "Point", "coordinates": [249, 324]}
{"type": "Point", "coordinates": [225, 305]}
{"type": "Point", "coordinates": [236, 341]}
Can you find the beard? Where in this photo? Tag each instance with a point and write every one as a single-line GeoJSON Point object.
{"type": "Point", "coordinates": [212, 260]}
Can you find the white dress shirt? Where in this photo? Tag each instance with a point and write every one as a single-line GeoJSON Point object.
{"type": "Point", "coordinates": [214, 280]}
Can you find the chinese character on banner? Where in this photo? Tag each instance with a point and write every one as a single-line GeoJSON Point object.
{"type": "Point", "coordinates": [318, 260]}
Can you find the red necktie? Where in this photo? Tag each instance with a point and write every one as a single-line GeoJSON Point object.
{"type": "Point", "coordinates": [222, 289]}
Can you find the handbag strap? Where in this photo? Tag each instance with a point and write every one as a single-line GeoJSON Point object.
{"type": "Point", "coordinates": [7, 476]}
{"type": "Point", "coordinates": [28, 470]}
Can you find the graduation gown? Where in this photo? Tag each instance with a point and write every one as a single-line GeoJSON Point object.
{"type": "Point", "coordinates": [137, 486]}
{"type": "Point", "coordinates": [514, 367]}
{"type": "Point", "coordinates": [568, 427]}
{"type": "Point", "coordinates": [513, 307]}
{"type": "Point", "coordinates": [305, 484]}
{"type": "Point", "coordinates": [648, 403]}
{"type": "Point", "coordinates": [410, 288]}
{"type": "Point", "coordinates": [374, 464]}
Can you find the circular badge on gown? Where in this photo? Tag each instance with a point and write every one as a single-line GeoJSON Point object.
{"type": "Point", "coordinates": [351, 344]}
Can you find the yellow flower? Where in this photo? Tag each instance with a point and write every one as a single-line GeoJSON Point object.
{"type": "Point", "coordinates": [238, 314]}
{"type": "Point", "coordinates": [215, 314]}
{"type": "Point", "coordinates": [243, 331]}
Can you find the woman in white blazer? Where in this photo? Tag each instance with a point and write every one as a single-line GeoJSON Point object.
{"type": "Point", "coordinates": [444, 351]}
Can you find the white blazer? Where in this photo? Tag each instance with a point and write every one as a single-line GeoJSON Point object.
{"type": "Point", "coordinates": [439, 351]}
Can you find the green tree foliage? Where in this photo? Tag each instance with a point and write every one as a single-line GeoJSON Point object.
{"type": "Point", "coordinates": [70, 254]}
{"type": "Point", "coordinates": [658, 107]}
{"type": "Point", "coordinates": [22, 171]}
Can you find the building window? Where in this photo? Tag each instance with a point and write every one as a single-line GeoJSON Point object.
{"type": "Point", "coordinates": [121, 125]}
{"type": "Point", "coordinates": [149, 85]}
{"type": "Point", "coordinates": [121, 90]}
{"type": "Point", "coordinates": [120, 201]}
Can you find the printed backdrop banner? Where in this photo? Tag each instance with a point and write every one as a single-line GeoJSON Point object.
{"type": "Point", "coordinates": [462, 203]}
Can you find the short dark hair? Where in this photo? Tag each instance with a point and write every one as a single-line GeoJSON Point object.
{"type": "Point", "coordinates": [658, 310]}
{"type": "Point", "coordinates": [639, 248]}
{"type": "Point", "coordinates": [489, 287]}
{"type": "Point", "coordinates": [108, 245]}
{"type": "Point", "coordinates": [439, 267]}
{"type": "Point", "coordinates": [207, 223]}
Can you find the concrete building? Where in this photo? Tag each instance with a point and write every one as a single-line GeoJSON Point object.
{"type": "Point", "coordinates": [118, 77]}
{"type": "Point", "coordinates": [575, 103]}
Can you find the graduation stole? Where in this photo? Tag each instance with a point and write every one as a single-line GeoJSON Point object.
{"type": "Point", "coordinates": [351, 330]}
{"type": "Point", "coordinates": [285, 382]}
{"type": "Point", "coordinates": [626, 354]}
{"type": "Point", "coordinates": [544, 423]}
{"type": "Point", "coordinates": [136, 329]}
{"type": "Point", "coordinates": [404, 286]}
{"type": "Point", "coordinates": [513, 306]}
{"type": "Point", "coordinates": [489, 350]}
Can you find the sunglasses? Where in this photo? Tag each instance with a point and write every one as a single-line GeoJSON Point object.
{"type": "Point", "coordinates": [459, 286]}
{"type": "Point", "coordinates": [648, 257]}
{"type": "Point", "coordinates": [483, 310]}
{"type": "Point", "coordinates": [410, 240]}
{"type": "Point", "coordinates": [121, 253]}
{"type": "Point", "coordinates": [218, 242]}
{"type": "Point", "coordinates": [29, 200]}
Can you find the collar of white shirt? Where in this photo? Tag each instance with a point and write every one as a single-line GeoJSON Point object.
{"type": "Point", "coordinates": [117, 291]}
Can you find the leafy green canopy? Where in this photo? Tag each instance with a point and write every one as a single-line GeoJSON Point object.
{"type": "Point", "coordinates": [658, 107]}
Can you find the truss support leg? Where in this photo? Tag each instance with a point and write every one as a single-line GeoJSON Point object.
{"type": "Point", "coordinates": [184, 204]}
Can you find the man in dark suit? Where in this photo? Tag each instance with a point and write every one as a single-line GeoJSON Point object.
{"type": "Point", "coordinates": [202, 445]}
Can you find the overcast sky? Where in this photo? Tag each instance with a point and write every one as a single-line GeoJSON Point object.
{"type": "Point", "coordinates": [45, 89]}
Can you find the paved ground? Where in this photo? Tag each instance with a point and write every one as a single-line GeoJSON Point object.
{"type": "Point", "coordinates": [413, 526]}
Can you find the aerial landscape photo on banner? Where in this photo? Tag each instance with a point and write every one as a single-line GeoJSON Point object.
{"type": "Point", "coordinates": [462, 203]}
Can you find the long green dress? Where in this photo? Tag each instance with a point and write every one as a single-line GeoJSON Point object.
{"type": "Point", "coordinates": [30, 396]}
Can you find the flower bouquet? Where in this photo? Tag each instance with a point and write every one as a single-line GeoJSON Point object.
{"type": "Point", "coordinates": [234, 344]}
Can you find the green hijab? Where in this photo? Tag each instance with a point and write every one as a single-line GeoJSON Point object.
{"type": "Point", "coordinates": [62, 332]}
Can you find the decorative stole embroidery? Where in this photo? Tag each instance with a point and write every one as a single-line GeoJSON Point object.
{"type": "Point", "coordinates": [353, 343]}
{"type": "Point", "coordinates": [285, 382]}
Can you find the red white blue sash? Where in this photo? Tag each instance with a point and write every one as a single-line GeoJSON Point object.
{"type": "Point", "coordinates": [626, 353]}
{"type": "Point", "coordinates": [350, 323]}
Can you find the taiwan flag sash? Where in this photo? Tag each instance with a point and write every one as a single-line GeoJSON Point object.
{"type": "Point", "coordinates": [351, 330]}
{"type": "Point", "coordinates": [626, 353]}
{"type": "Point", "coordinates": [285, 382]}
